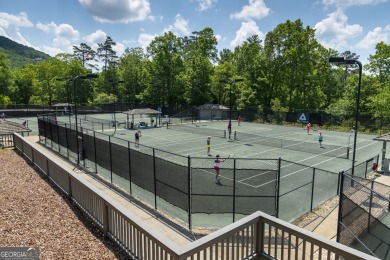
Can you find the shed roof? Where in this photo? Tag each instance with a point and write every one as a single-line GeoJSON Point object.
{"type": "Point", "coordinates": [212, 107]}
{"type": "Point", "coordinates": [384, 137]}
{"type": "Point", "coordinates": [62, 105]}
{"type": "Point", "coordinates": [142, 111]}
{"type": "Point", "coordinates": [7, 127]}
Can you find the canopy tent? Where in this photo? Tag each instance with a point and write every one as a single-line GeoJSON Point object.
{"type": "Point", "coordinates": [140, 112]}
{"type": "Point", "coordinates": [64, 107]}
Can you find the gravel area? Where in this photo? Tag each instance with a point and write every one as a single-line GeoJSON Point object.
{"type": "Point", "coordinates": [35, 213]}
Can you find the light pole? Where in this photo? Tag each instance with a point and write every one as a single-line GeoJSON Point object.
{"type": "Point", "coordinates": [88, 76]}
{"type": "Point", "coordinates": [113, 93]}
{"type": "Point", "coordinates": [67, 95]}
{"type": "Point", "coordinates": [230, 82]}
{"type": "Point", "coordinates": [342, 60]}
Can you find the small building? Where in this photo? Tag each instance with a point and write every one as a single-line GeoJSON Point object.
{"type": "Point", "coordinates": [152, 114]}
{"type": "Point", "coordinates": [212, 112]}
{"type": "Point", "coordinates": [64, 108]}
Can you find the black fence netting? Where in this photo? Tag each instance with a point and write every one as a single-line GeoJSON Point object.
{"type": "Point", "coordinates": [296, 183]}
{"type": "Point", "coordinates": [62, 135]}
{"type": "Point", "coordinates": [243, 188]}
{"type": "Point", "coordinates": [364, 220]}
{"type": "Point", "coordinates": [142, 170]}
{"type": "Point", "coordinates": [172, 181]}
{"type": "Point", "coordinates": [120, 160]}
{"type": "Point", "coordinates": [363, 169]}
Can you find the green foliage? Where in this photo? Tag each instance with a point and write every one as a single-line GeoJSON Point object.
{"type": "Point", "coordinates": [288, 72]}
{"type": "Point", "coordinates": [19, 54]}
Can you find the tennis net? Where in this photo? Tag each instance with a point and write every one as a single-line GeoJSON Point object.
{"type": "Point", "coordinates": [327, 150]}
{"type": "Point", "coordinates": [198, 129]}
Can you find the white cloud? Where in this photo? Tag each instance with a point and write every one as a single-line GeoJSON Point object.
{"type": "Point", "coordinates": [11, 24]}
{"type": "Point", "coordinates": [334, 31]}
{"type": "Point", "coordinates": [372, 38]}
{"type": "Point", "coordinates": [94, 38]}
{"type": "Point", "coordinates": [145, 39]}
{"type": "Point", "coordinates": [255, 10]}
{"type": "Point", "coordinates": [205, 4]}
{"type": "Point", "coordinates": [46, 27]}
{"type": "Point", "coordinates": [66, 31]}
{"type": "Point", "coordinates": [348, 3]}
{"type": "Point", "coordinates": [53, 51]}
{"type": "Point", "coordinates": [118, 11]}
{"type": "Point", "coordinates": [179, 27]}
{"type": "Point", "coordinates": [247, 30]}
{"type": "Point", "coordinates": [218, 37]}
{"type": "Point", "coordinates": [119, 48]}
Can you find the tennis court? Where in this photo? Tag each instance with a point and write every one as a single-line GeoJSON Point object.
{"type": "Point", "coordinates": [251, 140]}
{"type": "Point", "coordinates": [248, 174]}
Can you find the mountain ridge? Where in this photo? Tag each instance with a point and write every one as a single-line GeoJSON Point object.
{"type": "Point", "coordinates": [19, 54]}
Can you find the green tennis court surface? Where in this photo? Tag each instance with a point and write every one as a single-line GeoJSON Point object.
{"type": "Point", "coordinates": [249, 171]}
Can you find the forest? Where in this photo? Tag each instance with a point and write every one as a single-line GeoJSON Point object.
{"type": "Point", "coordinates": [287, 72]}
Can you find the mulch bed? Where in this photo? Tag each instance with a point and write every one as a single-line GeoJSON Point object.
{"type": "Point", "coordinates": [35, 213]}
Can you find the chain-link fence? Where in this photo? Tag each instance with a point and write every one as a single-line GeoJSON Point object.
{"type": "Point", "coordinates": [364, 219]}
{"type": "Point", "coordinates": [183, 186]}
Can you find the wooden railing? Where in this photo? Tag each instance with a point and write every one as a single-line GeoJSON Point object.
{"type": "Point", "coordinates": [258, 236]}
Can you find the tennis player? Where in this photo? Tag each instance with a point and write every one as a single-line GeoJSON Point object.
{"type": "Point", "coordinates": [137, 136]}
{"type": "Point", "coordinates": [217, 161]}
{"type": "Point", "coordinates": [239, 120]}
{"type": "Point", "coordinates": [308, 126]}
{"type": "Point", "coordinates": [320, 139]}
{"type": "Point", "coordinates": [208, 145]}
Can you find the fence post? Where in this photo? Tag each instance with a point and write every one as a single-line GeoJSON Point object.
{"type": "Point", "coordinates": [154, 179]}
{"type": "Point", "coordinates": [58, 138]}
{"type": "Point", "coordinates": [109, 144]}
{"type": "Point", "coordinates": [278, 187]}
{"type": "Point", "coordinates": [369, 210]}
{"type": "Point", "coordinates": [312, 190]}
{"type": "Point", "coordinates": [340, 218]}
{"type": "Point", "coordinates": [365, 170]}
{"type": "Point", "coordinates": [234, 190]}
{"type": "Point", "coordinates": [66, 137]}
{"type": "Point", "coordinates": [259, 237]}
{"type": "Point", "coordinates": [129, 159]}
{"type": "Point", "coordinates": [44, 129]}
{"type": "Point", "coordinates": [339, 182]}
{"type": "Point", "coordinates": [94, 150]}
{"type": "Point", "coordinates": [51, 134]}
{"type": "Point", "coordinates": [82, 146]}
{"type": "Point", "coordinates": [105, 219]}
{"type": "Point", "coordinates": [189, 193]}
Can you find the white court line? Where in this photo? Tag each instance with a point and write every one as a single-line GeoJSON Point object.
{"type": "Point", "coordinates": [222, 176]}
{"type": "Point", "coordinates": [303, 168]}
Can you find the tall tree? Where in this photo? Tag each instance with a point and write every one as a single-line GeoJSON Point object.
{"type": "Point", "coordinates": [166, 64]}
{"type": "Point", "coordinates": [294, 47]}
{"type": "Point", "coordinates": [199, 51]}
{"type": "Point", "coordinates": [86, 55]}
{"type": "Point", "coordinates": [107, 53]}
{"type": "Point", "coordinates": [134, 70]}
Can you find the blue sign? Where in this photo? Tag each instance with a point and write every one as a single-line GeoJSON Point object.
{"type": "Point", "coordinates": [303, 118]}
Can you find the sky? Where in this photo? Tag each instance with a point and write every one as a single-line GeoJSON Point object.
{"type": "Point", "coordinates": [54, 26]}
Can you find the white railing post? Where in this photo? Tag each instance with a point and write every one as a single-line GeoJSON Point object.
{"type": "Point", "coordinates": [105, 219]}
